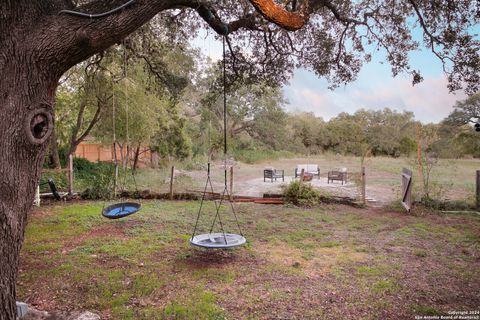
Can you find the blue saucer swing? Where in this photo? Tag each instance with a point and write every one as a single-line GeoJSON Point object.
{"type": "Point", "coordinates": [120, 210]}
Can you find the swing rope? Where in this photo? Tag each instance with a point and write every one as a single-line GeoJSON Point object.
{"type": "Point", "coordinates": [127, 122]}
{"type": "Point", "coordinates": [123, 209]}
{"type": "Point", "coordinates": [115, 160]}
{"type": "Point", "coordinates": [225, 151]}
{"type": "Point", "coordinates": [125, 75]}
{"type": "Point", "coordinates": [207, 183]}
{"type": "Point", "coordinates": [225, 194]}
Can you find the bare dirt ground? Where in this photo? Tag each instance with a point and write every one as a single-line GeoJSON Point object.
{"type": "Point", "coordinates": [248, 181]}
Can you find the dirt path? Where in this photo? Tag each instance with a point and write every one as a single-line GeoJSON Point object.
{"type": "Point", "coordinates": [246, 186]}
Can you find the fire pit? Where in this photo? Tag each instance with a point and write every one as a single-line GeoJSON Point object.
{"type": "Point", "coordinates": [307, 176]}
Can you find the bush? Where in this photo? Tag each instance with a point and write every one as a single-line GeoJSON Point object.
{"type": "Point", "coordinates": [100, 184]}
{"type": "Point", "coordinates": [84, 169]}
{"type": "Point", "coordinates": [301, 194]}
{"type": "Point", "coordinates": [446, 205]}
{"type": "Point", "coordinates": [429, 204]}
{"type": "Point", "coordinates": [198, 162]}
{"type": "Point", "coordinates": [60, 179]}
{"type": "Point", "coordinates": [96, 178]}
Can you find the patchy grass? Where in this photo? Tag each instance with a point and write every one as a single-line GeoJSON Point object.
{"type": "Point", "coordinates": [385, 286]}
{"type": "Point", "coordinates": [202, 305]}
{"type": "Point", "coordinates": [426, 310]}
{"type": "Point", "coordinates": [330, 262]}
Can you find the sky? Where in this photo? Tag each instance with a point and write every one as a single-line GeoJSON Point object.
{"type": "Point", "coordinates": [374, 89]}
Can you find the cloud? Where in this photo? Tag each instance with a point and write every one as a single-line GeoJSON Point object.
{"type": "Point", "coordinates": [307, 100]}
{"type": "Point", "coordinates": [429, 100]}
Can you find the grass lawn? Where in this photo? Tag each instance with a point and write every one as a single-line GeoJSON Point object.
{"type": "Point", "coordinates": [329, 262]}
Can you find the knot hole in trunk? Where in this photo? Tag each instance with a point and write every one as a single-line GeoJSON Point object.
{"type": "Point", "coordinates": [39, 125]}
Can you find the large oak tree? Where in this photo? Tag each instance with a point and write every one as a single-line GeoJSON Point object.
{"type": "Point", "coordinates": [330, 37]}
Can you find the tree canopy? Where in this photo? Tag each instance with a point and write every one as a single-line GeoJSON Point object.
{"type": "Point", "coordinates": [335, 38]}
{"type": "Point", "coordinates": [465, 111]}
{"type": "Point", "coordinates": [332, 38]}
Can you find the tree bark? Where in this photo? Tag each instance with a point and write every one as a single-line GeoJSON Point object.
{"type": "Point", "coordinates": [54, 156]}
{"type": "Point", "coordinates": [127, 157]}
{"type": "Point", "coordinates": [277, 14]}
{"type": "Point", "coordinates": [26, 119]}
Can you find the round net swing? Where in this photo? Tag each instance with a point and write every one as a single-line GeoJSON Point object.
{"type": "Point", "coordinates": [219, 240]}
{"type": "Point", "coordinates": [118, 210]}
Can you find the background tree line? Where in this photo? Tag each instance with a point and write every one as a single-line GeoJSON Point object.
{"type": "Point", "coordinates": [152, 91]}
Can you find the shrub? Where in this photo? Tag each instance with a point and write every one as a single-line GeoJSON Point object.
{"type": "Point", "coordinates": [396, 206]}
{"type": "Point", "coordinates": [60, 179]}
{"type": "Point", "coordinates": [100, 184]}
{"type": "Point", "coordinates": [97, 178]}
{"type": "Point", "coordinates": [84, 169]}
{"type": "Point", "coordinates": [196, 163]}
{"type": "Point", "coordinates": [446, 205]}
{"type": "Point", "coordinates": [301, 194]}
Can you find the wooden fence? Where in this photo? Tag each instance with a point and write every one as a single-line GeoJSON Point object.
{"type": "Point", "coordinates": [97, 152]}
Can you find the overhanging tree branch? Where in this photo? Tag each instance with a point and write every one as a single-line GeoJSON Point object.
{"type": "Point", "coordinates": [277, 14]}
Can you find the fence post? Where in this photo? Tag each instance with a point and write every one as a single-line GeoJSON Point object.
{"type": "Point", "coordinates": [172, 176]}
{"type": "Point", "coordinates": [70, 174]}
{"type": "Point", "coordinates": [364, 185]}
{"type": "Point", "coordinates": [37, 197]}
{"type": "Point", "coordinates": [231, 183]}
{"type": "Point", "coordinates": [407, 189]}
{"type": "Point", "coordinates": [478, 189]}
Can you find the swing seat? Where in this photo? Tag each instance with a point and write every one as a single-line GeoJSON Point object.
{"type": "Point", "coordinates": [120, 210]}
{"type": "Point", "coordinates": [218, 240]}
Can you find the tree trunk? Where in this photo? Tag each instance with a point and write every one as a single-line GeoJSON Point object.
{"type": "Point", "coordinates": [26, 119]}
{"type": "Point", "coordinates": [127, 158]}
{"type": "Point", "coordinates": [136, 157]}
{"type": "Point", "coordinates": [122, 154]}
{"type": "Point", "coordinates": [54, 157]}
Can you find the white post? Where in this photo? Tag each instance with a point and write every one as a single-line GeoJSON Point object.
{"type": "Point", "coordinates": [231, 183]}
{"type": "Point", "coordinates": [36, 202]}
